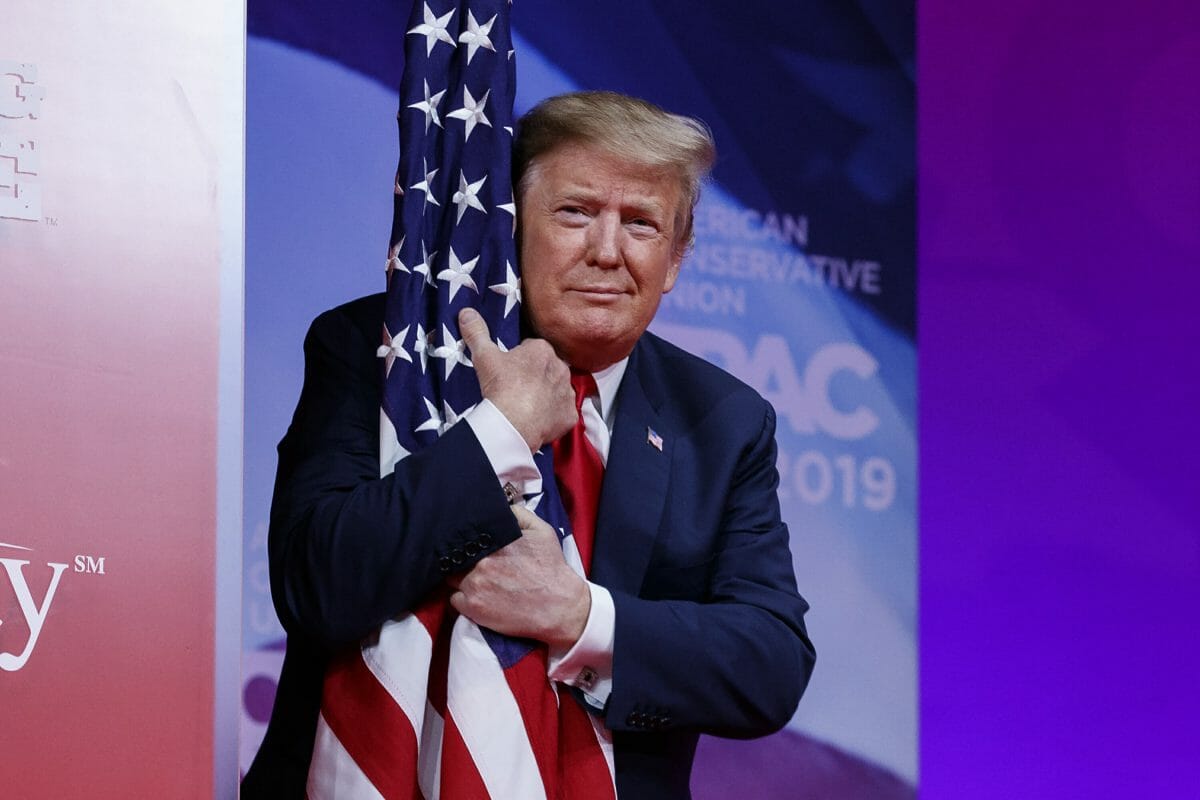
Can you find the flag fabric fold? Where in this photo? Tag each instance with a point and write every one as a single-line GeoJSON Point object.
{"type": "Point", "coordinates": [433, 706]}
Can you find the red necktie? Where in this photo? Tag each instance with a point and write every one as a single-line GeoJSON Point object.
{"type": "Point", "coordinates": [583, 772]}
{"type": "Point", "coordinates": [579, 471]}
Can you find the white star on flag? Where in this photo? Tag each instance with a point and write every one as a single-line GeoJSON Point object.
{"type": "Point", "coordinates": [423, 346]}
{"type": "Point", "coordinates": [476, 36]}
{"type": "Point", "coordinates": [426, 266]}
{"type": "Point", "coordinates": [450, 419]}
{"type": "Point", "coordinates": [444, 421]}
{"type": "Point", "coordinates": [458, 274]}
{"type": "Point", "coordinates": [434, 29]}
{"type": "Point", "coordinates": [467, 195]}
{"type": "Point", "coordinates": [429, 107]}
{"type": "Point", "coordinates": [434, 423]}
{"type": "Point", "coordinates": [424, 186]}
{"type": "Point", "coordinates": [471, 112]}
{"type": "Point", "coordinates": [452, 351]}
{"type": "Point", "coordinates": [511, 288]}
{"type": "Point", "coordinates": [393, 348]}
{"type": "Point", "coordinates": [394, 263]}
{"type": "Point", "coordinates": [511, 208]}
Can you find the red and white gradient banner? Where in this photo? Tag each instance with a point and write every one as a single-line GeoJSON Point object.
{"type": "Point", "coordinates": [117, 148]}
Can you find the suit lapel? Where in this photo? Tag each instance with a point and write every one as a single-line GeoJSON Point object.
{"type": "Point", "coordinates": [635, 479]}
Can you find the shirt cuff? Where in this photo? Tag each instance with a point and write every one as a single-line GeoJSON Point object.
{"type": "Point", "coordinates": [506, 450]}
{"type": "Point", "coordinates": [587, 665]}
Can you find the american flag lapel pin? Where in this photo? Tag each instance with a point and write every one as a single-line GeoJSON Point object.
{"type": "Point", "coordinates": [653, 439]}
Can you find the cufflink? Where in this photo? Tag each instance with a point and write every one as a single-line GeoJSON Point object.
{"type": "Point", "coordinates": [587, 678]}
{"type": "Point", "coordinates": [511, 494]}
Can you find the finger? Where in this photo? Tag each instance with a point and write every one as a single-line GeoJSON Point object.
{"type": "Point", "coordinates": [533, 527]}
{"type": "Point", "coordinates": [526, 519]}
{"type": "Point", "coordinates": [458, 601]}
{"type": "Point", "coordinates": [475, 333]}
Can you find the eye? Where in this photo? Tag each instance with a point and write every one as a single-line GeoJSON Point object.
{"type": "Point", "coordinates": [571, 214]}
{"type": "Point", "coordinates": [642, 225]}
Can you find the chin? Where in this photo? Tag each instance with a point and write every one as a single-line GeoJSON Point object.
{"type": "Point", "coordinates": [596, 352]}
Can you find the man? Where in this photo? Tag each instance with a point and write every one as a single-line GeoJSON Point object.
{"type": "Point", "coordinates": [689, 621]}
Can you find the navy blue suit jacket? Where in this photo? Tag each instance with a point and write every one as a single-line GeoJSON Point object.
{"type": "Point", "coordinates": [710, 635]}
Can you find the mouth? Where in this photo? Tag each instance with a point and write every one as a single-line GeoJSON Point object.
{"type": "Point", "coordinates": [599, 294]}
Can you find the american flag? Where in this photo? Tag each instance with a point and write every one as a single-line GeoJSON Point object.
{"type": "Point", "coordinates": [435, 706]}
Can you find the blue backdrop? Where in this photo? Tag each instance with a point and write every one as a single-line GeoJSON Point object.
{"type": "Point", "coordinates": [801, 283]}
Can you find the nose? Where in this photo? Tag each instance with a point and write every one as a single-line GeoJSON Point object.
{"type": "Point", "coordinates": [604, 240]}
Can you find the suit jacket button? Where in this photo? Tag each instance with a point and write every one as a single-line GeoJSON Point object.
{"type": "Point", "coordinates": [665, 719]}
{"type": "Point", "coordinates": [458, 557]}
{"type": "Point", "coordinates": [484, 539]}
{"type": "Point", "coordinates": [635, 719]}
{"type": "Point", "coordinates": [471, 549]}
{"type": "Point", "coordinates": [444, 564]}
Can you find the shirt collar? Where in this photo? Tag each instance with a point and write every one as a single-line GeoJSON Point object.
{"type": "Point", "coordinates": [608, 380]}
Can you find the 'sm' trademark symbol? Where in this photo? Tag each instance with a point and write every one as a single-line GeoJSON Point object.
{"type": "Point", "coordinates": [91, 565]}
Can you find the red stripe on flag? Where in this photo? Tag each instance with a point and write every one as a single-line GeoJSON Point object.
{"type": "Point", "coordinates": [460, 777]}
{"type": "Point", "coordinates": [371, 727]}
{"type": "Point", "coordinates": [539, 711]}
{"type": "Point", "coordinates": [584, 770]}
{"type": "Point", "coordinates": [433, 611]}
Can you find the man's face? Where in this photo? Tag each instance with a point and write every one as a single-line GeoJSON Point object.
{"type": "Point", "coordinates": [598, 251]}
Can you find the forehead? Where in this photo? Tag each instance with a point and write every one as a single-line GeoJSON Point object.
{"type": "Point", "coordinates": [588, 171]}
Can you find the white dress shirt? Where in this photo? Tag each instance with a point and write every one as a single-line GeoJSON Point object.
{"type": "Point", "coordinates": [586, 665]}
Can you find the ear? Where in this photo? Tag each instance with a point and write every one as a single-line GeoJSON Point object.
{"type": "Point", "coordinates": [673, 270]}
{"type": "Point", "coordinates": [679, 249]}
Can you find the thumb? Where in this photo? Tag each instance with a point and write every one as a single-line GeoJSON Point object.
{"type": "Point", "coordinates": [475, 333]}
{"type": "Point", "coordinates": [528, 521]}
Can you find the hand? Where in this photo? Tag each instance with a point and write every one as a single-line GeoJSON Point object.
{"type": "Point", "coordinates": [529, 384]}
{"type": "Point", "coordinates": [526, 588]}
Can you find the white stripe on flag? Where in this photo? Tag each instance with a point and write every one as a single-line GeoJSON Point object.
{"type": "Point", "coordinates": [604, 737]}
{"type": "Point", "coordinates": [400, 662]}
{"type": "Point", "coordinates": [429, 756]}
{"type": "Point", "coordinates": [571, 555]}
{"type": "Point", "coordinates": [339, 778]}
{"type": "Point", "coordinates": [487, 716]}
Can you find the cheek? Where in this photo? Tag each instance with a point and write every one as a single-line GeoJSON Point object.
{"type": "Point", "coordinates": [539, 300]}
{"type": "Point", "coordinates": [656, 273]}
{"type": "Point", "coordinates": [541, 256]}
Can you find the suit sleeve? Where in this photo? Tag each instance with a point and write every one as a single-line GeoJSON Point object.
{"type": "Point", "coordinates": [718, 647]}
{"type": "Point", "coordinates": [348, 549]}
